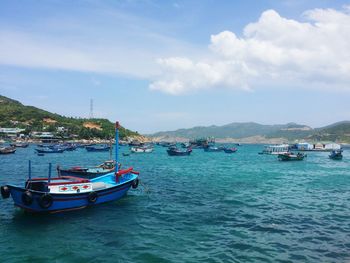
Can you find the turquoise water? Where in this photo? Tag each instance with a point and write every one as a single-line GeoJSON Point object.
{"type": "Point", "coordinates": [208, 207]}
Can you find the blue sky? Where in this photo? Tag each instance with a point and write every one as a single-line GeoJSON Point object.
{"type": "Point", "coordinates": [163, 65]}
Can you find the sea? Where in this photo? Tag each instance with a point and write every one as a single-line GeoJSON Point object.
{"type": "Point", "coordinates": [206, 207]}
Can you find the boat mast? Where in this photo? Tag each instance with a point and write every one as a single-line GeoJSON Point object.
{"type": "Point", "coordinates": [30, 170]}
{"type": "Point", "coordinates": [116, 145]}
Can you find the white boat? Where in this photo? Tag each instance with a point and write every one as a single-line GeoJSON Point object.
{"type": "Point", "coordinates": [276, 149]}
{"type": "Point", "coordinates": [142, 149]}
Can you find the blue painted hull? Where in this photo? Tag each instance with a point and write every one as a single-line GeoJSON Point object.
{"type": "Point", "coordinates": [49, 151]}
{"type": "Point", "coordinates": [66, 202]}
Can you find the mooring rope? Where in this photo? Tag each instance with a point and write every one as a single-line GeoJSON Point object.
{"type": "Point", "coordinates": [147, 189]}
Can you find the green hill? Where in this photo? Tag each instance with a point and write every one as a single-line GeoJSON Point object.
{"type": "Point", "coordinates": [15, 114]}
{"type": "Point", "coordinates": [339, 131]}
{"type": "Point", "coordinates": [238, 130]}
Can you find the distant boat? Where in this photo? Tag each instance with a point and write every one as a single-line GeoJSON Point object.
{"type": "Point", "coordinates": [291, 157]}
{"type": "Point", "coordinates": [141, 149]}
{"type": "Point", "coordinates": [98, 148]}
{"type": "Point", "coordinates": [174, 151]}
{"type": "Point", "coordinates": [230, 150]}
{"type": "Point", "coordinates": [135, 143]}
{"type": "Point", "coordinates": [86, 172]}
{"type": "Point", "coordinates": [7, 150]}
{"type": "Point", "coordinates": [213, 149]}
{"type": "Point", "coordinates": [49, 150]}
{"type": "Point", "coordinates": [126, 154]}
{"type": "Point", "coordinates": [20, 144]}
{"type": "Point", "coordinates": [167, 144]}
{"type": "Point", "coordinates": [336, 155]}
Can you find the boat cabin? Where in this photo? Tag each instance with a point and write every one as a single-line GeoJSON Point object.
{"type": "Point", "coordinates": [276, 149]}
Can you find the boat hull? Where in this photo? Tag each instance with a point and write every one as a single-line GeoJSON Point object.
{"type": "Point", "coordinates": [178, 153]}
{"type": "Point", "coordinates": [336, 157]}
{"type": "Point", "coordinates": [230, 150]}
{"type": "Point", "coordinates": [67, 202]}
{"type": "Point", "coordinates": [284, 157]}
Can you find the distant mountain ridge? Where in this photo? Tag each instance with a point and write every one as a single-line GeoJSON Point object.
{"type": "Point", "coordinates": [339, 131]}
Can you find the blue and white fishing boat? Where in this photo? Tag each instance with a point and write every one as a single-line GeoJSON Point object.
{"type": "Point", "coordinates": [49, 150]}
{"type": "Point", "coordinates": [65, 193]}
{"type": "Point", "coordinates": [142, 149]}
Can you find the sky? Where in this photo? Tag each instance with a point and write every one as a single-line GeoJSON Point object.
{"type": "Point", "coordinates": [163, 65]}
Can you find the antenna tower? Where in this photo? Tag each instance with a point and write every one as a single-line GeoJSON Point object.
{"type": "Point", "coordinates": [91, 116]}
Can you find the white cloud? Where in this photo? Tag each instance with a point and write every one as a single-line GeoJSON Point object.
{"type": "Point", "coordinates": [28, 50]}
{"type": "Point", "coordinates": [100, 39]}
{"type": "Point", "coordinates": [274, 51]}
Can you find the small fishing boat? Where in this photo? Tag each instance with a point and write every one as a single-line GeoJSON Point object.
{"type": "Point", "coordinates": [174, 151]}
{"type": "Point", "coordinates": [230, 150]}
{"type": "Point", "coordinates": [202, 143]}
{"type": "Point", "coordinates": [66, 193]}
{"type": "Point", "coordinates": [167, 144]}
{"type": "Point", "coordinates": [142, 149]}
{"type": "Point", "coordinates": [40, 154]}
{"type": "Point", "coordinates": [86, 172]}
{"type": "Point", "coordinates": [135, 143]}
{"type": "Point", "coordinates": [126, 154]}
{"type": "Point", "coordinates": [7, 150]}
{"type": "Point", "coordinates": [20, 144]}
{"type": "Point", "coordinates": [336, 155]}
{"type": "Point", "coordinates": [49, 150]}
{"type": "Point", "coordinates": [98, 148]}
{"type": "Point", "coordinates": [213, 149]}
{"type": "Point", "coordinates": [291, 157]}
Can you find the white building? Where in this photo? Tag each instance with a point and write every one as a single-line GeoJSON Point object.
{"type": "Point", "coordinates": [332, 146]}
{"type": "Point", "coordinates": [304, 146]}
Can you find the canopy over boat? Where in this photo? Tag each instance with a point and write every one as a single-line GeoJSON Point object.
{"type": "Point", "coordinates": [276, 149]}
